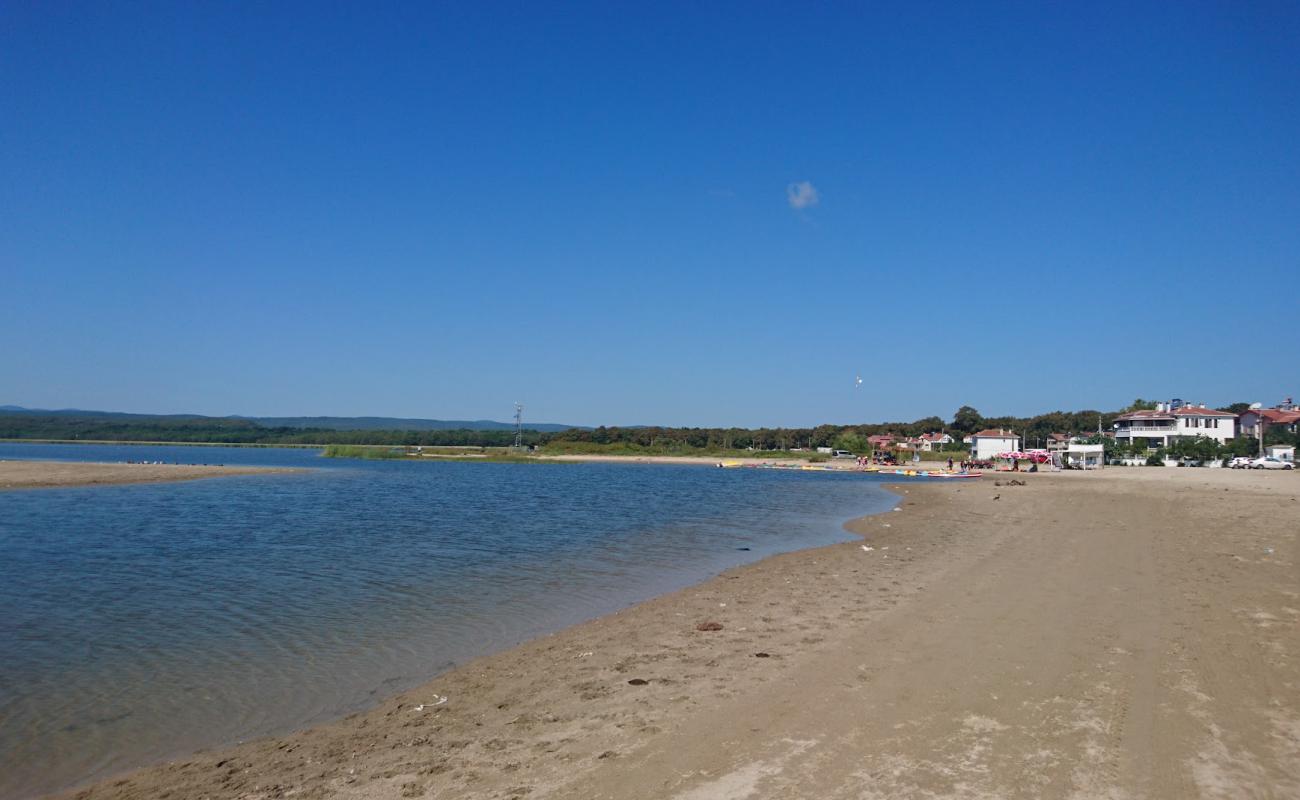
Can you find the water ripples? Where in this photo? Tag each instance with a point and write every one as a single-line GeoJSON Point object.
{"type": "Point", "coordinates": [142, 622]}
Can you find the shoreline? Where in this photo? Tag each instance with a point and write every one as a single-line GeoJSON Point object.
{"type": "Point", "coordinates": [694, 460]}
{"type": "Point", "coordinates": [24, 474]}
{"type": "Point", "coordinates": [115, 781]}
{"type": "Point", "coordinates": [785, 672]}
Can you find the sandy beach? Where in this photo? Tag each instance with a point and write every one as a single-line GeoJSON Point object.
{"type": "Point", "coordinates": [51, 474]}
{"type": "Point", "coordinates": [1127, 633]}
{"type": "Point", "coordinates": [713, 461]}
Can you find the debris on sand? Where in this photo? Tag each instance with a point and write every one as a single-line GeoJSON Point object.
{"type": "Point", "coordinates": [709, 626]}
{"type": "Point", "coordinates": [440, 701]}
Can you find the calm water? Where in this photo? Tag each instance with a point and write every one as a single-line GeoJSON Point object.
{"type": "Point", "coordinates": [140, 622]}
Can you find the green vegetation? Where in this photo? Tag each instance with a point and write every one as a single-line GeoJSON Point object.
{"type": "Point", "coordinates": [637, 441]}
{"type": "Point", "coordinates": [944, 455]}
{"type": "Point", "coordinates": [739, 441]}
{"type": "Point", "coordinates": [363, 451]}
{"type": "Point", "coordinates": [208, 430]}
{"type": "Point", "coordinates": [659, 446]}
{"type": "Point", "coordinates": [1200, 449]}
{"type": "Point", "coordinates": [499, 455]}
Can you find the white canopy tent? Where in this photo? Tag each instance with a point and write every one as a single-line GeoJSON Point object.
{"type": "Point", "coordinates": [1085, 456]}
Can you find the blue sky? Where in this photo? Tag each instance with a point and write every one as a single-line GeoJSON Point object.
{"type": "Point", "coordinates": [437, 211]}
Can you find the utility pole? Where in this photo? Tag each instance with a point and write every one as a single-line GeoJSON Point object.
{"type": "Point", "coordinates": [519, 426]}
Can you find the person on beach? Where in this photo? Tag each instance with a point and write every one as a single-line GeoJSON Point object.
{"type": "Point", "coordinates": [950, 463]}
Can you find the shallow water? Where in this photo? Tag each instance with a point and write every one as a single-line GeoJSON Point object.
{"type": "Point", "coordinates": [146, 621]}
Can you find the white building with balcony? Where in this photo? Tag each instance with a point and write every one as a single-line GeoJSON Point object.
{"type": "Point", "coordinates": [1161, 427]}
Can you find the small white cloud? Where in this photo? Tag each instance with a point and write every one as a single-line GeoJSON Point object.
{"type": "Point", "coordinates": [801, 195]}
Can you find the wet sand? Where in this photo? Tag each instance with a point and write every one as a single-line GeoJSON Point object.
{"type": "Point", "coordinates": [1128, 633]}
{"type": "Point", "coordinates": [50, 474]}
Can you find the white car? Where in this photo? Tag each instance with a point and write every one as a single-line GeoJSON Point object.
{"type": "Point", "coordinates": [1269, 462]}
{"type": "Point", "coordinates": [1240, 462]}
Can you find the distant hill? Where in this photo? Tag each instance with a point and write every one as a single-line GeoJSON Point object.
{"type": "Point", "coordinates": [325, 423]}
{"type": "Point", "coordinates": [403, 424]}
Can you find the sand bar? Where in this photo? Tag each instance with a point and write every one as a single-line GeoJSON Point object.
{"type": "Point", "coordinates": [1129, 633]}
{"type": "Point", "coordinates": [51, 474]}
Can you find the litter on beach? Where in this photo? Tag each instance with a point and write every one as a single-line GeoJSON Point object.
{"type": "Point", "coordinates": [867, 549]}
{"type": "Point", "coordinates": [439, 702]}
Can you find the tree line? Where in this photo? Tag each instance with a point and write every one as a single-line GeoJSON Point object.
{"type": "Point", "coordinates": [965, 420]}
{"type": "Point", "coordinates": [205, 430]}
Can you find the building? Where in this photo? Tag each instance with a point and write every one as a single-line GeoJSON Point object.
{"type": "Point", "coordinates": [1085, 456]}
{"type": "Point", "coordinates": [1058, 442]}
{"type": "Point", "coordinates": [881, 441]}
{"type": "Point", "coordinates": [987, 444]}
{"type": "Point", "coordinates": [1249, 421]}
{"type": "Point", "coordinates": [1286, 452]}
{"type": "Point", "coordinates": [935, 441]}
{"type": "Point", "coordinates": [1164, 425]}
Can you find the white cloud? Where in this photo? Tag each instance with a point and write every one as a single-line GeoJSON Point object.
{"type": "Point", "coordinates": [801, 195]}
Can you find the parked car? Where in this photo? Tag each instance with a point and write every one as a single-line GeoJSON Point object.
{"type": "Point", "coordinates": [842, 454]}
{"type": "Point", "coordinates": [1269, 462]}
{"type": "Point", "coordinates": [1240, 462]}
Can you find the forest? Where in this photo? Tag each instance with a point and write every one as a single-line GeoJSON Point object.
{"type": "Point", "coordinates": [211, 430]}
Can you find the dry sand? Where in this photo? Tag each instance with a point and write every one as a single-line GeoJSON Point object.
{"type": "Point", "coordinates": [704, 461]}
{"type": "Point", "coordinates": [49, 474]}
{"type": "Point", "coordinates": [701, 461]}
{"type": "Point", "coordinates": [1124, 634]}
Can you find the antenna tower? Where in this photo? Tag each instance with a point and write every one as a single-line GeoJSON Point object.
{"type": "Point", "coordinates": [519, 426]}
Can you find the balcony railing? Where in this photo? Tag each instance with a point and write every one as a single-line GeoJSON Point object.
{"type": "Point", "coordinates": [1147, 429]}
